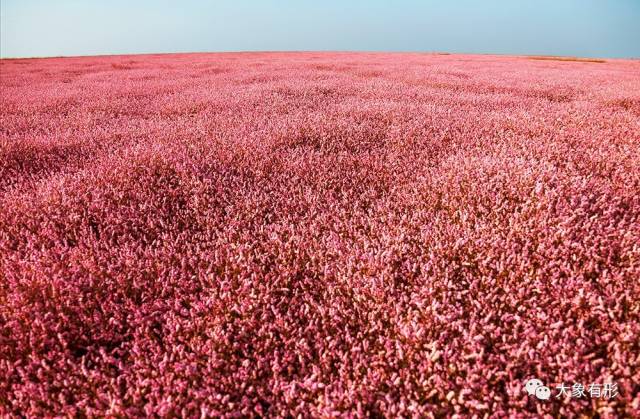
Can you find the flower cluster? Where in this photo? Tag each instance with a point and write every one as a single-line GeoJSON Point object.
{"type": "Point", "coordinates": [314, 234]}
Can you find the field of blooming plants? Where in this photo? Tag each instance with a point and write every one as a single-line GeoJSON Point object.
{"type": "Point", "coordinates": [318, 234]}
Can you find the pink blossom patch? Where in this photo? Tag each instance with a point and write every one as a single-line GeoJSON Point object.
{"type": "Point", "coordinates": [318, 234]}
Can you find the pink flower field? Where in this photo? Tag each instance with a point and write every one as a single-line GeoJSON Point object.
{"type": "Point", "coordinates": [318, 235]}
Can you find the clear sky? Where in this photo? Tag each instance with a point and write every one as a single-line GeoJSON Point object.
{"type": "Point", "coordinates": [595, 28]}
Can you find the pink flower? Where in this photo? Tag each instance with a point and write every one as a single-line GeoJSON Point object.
{"type": "Point", "coordinates": [317, 234]}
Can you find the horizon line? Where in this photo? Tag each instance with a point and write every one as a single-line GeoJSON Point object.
{"type": "Point", "coordinates": [435, 52]}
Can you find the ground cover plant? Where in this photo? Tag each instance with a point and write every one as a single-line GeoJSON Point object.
{"type": "Point", "coordinates": [318, 234]}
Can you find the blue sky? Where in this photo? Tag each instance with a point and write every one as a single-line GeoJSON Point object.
{"type": "Point", "coordinates": [594, 28]}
